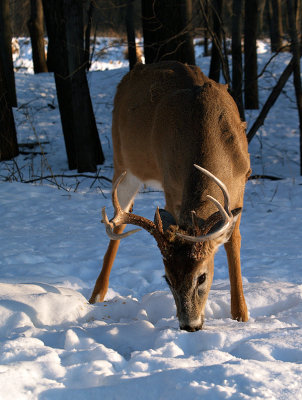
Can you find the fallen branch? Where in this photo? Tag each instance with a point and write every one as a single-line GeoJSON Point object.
{"type": "Point", "coordinates": [271, 100]}
{"type": "Point", "coordinates": [68, 176]}
{"type": "Point", "coordinates": [270, 177]}
{"type": "Point", "coordinates": [286, 46]}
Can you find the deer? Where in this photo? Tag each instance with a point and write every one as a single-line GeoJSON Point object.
{"type": "Point", "coordinates": [172, 126]}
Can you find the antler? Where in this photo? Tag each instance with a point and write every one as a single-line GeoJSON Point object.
{"type": "Point", "coordinates": [122, 217]}
{"type": "Point", "coordinates": [225, 212]}
{"type": "Point", "coordinates": [156, 229]}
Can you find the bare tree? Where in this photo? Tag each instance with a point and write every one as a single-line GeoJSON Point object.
{"type": "Point", "coordinates": [8, 136]}
{"type": "Point", "coordinates": [167, 30]}
{"type": "Point", "coordinates": [221, 51]}
{"type": "Point", "coordinates": [36, 29]}
{"type": "Point", "coordinates": [131, 34]}
{"type": "Point", "coordinates": [64, 21]}
{"type": "Point", "coordinates": [206, 29]}
{"type": "Point", "coordinates": [276, 24]}
{"type": "Point", "coordinates": [237, 55]}
{"type": "Point", "coordinates": [215, 66]}
{"type": "Point", "coordinates": [261, 8]}
{"type": "Point", "coordinates": [250, 55]}
{"type": "Point", "coordinates": [293, 19]}
{"type": "Point", "coordinates": [271, 100]}
{"type": "Point", "coordinates": [88, 33]}
{"type": "Point", "coordinates": [6, 53]}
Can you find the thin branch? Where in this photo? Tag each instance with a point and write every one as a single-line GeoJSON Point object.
{"type": "Point", "coordinates": [271, 100]}
{"type": "Point", "coordinates": [69, 176]}
{"type": "Point", "coordinates": [271, 59]}
{"type": "Point", "coordinates": [270, 177]}
{"type": "Point", "coordinates": [225, 69]}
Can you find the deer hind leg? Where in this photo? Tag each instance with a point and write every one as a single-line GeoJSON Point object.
{"type": "Point", "coordinates": [126, 192]}
{"type": "Point", "coordinates": [238, 306]}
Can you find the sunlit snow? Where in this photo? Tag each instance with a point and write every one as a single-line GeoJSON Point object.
{"type": "Point", "coordinates": [55, 345]}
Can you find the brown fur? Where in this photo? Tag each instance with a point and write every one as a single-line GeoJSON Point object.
{"type": "Point", "coordinates": [167, 117]}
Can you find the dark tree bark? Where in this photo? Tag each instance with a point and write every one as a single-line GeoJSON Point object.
{"type": "Point", "coordinates": [237, 55]}
{"type": "Point", "coordinates": [206, 52]}
{"type": "Point", "coordinates": [64, 22]}
{"type": "Point", "coordinates": [221, 52]}
{"type": "Point", "coordinates": [36, 30]}
{"type": "Point", "coordinates": [6, 53]}
{"type": "Point", "coordinates": [250, 55]}
{"type": "Point", "coordinates": [53, 34]}
{"type": "Point", "coordinates": [276, 24]}
{"type": "Point", "coordinates": [167, 30]}
{"type": "Point", "coordinates": [131, 34]}
{"type": "Point", "coordinates": [88, 34]}
{"type": "Point", "coordinates": [295, 47]}
{"type": "Point", "coordinates": [261, 7]}
{"type": "Point", "coordinates": [8, 136]}
{"type": "Point", "coordinates": [215, 66]}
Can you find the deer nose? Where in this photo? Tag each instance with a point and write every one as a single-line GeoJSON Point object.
{"type": "Point", "coordinates": [189, 328]}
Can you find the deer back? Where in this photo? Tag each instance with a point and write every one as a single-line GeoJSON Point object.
{"type": "Point", "coordinates": [168, 116]}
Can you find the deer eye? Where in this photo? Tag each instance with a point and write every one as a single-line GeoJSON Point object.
{"type": "Point", "coordinates": [201, 279]}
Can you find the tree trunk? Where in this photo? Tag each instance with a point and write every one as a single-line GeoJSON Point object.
{"type": "Point", "coordinates": [295, 47]}
{"type": "Point", "coordinates": [237, 55]}
{"type": "Point", "coordinates": [8, 135]}
{"type": "Point", "coordinates": [131, 34]}
{"type": "Point", "coordinates": [276, 24]}
{"type": "Point", "coordinates": [88, 34]}
{"type": "Point", "coordinates": [36, 30]}
{"type": "Point", "coordinates": [51, 22]}
{"type": "Point", "coordinates": [167, 30]}
{"type": "Point", "coordinates": [261, 7]}
{"type": "Point", "coordinates": [250, 55]}
{"type": "Point", "coordinates": [206, 52]}
{"type": "Point", "coordinates": [6, 53]}
{"type": "Point", "coordinates": [64, 21]}
{"type": "Point", "coordinates": [215, 65]}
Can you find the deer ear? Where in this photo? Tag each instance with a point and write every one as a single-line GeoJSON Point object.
{"type": "Point", "coordinates": [236, 211]}
{"type": "Point", "coordinates": [214, 222]}
{"type": "Point", "coordinates": [166, 218]}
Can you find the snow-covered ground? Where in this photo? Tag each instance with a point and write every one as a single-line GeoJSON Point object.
{"type": "Point", "coordinates": [54, 345]}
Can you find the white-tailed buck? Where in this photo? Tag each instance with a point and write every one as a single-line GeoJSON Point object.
{"type": "Point", "coordinates": [174, 126]}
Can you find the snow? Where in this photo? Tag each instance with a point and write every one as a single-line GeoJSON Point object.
{"type": "Point", "coordinates": [55, 345]}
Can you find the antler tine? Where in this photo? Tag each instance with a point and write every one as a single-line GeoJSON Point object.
{"type": "Point", "coordinates": [118, 211]}
{"type": "Point", "coordinates": [158, 221]}
{"type": "Point", "coordinates": [110, 225]}
{"type": "Point", "coordinates": [222, 211]}
{"type": "Point", "coordinates": [221, 185]}
{"type": "Point", "coordinates": [115, 201]}
{"type": "Point", "coordinates": [122, 217]}
{"type": "Point", "coordinates": [204, 238]}
{"type": "Point", "coordinates": [214, 235]}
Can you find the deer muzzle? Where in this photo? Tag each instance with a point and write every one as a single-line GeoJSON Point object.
{"type": "Point", "coordinates": [191, 326]}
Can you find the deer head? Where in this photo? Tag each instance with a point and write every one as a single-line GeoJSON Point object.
{"type": "Point", "coordinates": [188, 251]}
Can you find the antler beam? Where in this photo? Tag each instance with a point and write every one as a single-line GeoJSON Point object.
{"type": "Point", "coordinates": [122, 217]}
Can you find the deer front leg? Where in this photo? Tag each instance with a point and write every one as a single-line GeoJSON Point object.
{"type": "Point", "coordinates": [238, 306]}
{"type": "Point", "coordinates": [126, 194]}
{"type": "Point", "coordinates": [102, 282]}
